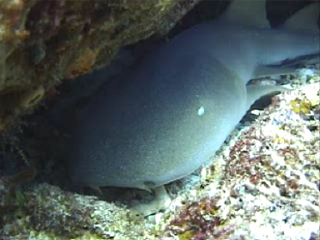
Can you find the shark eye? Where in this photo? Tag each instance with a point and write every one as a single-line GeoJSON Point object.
{"type": "Point", "coordinates": [200, 111]}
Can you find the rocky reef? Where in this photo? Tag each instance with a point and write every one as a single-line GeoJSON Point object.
{"type": "Point", "coordinates": [264, 182]}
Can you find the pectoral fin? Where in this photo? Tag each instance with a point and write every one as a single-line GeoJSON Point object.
{"type": "Point", "coordinates": [263, 71]}
{"type": "Point", "coordinates": [254, 92]}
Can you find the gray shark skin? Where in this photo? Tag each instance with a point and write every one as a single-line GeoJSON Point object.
{"type": "Point", "coordinates": [170, 113]}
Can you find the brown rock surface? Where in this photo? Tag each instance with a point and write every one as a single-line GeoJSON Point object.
{"type": "Point", "coordinates": [42, 42]}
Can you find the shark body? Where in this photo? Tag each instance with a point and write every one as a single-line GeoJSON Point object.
{"type": "Point", "coordinates": [170, 113]}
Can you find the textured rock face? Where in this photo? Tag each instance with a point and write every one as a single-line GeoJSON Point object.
{"type": "Point", "coordinates": [42, 42]}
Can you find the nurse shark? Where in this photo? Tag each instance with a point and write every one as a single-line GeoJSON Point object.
{"type": "Point", "coordinates": [167, 115]}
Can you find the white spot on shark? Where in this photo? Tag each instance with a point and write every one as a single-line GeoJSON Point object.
{"type": "Point", "coordinates": [201, 111]}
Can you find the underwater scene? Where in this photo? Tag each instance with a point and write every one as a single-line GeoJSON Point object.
{"type": "Point", "coordinates": [164, 119]}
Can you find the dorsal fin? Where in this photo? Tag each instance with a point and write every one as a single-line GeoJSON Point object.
{"type": "Point", "coordinates": [304, 20]}
{"type": "Point", "coordinates": [252, 13]}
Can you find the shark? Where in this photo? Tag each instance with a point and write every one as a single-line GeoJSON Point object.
{"type": "Point", "coordinates": [173, 109]}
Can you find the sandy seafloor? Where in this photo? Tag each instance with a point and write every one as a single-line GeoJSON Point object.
{"type": "Point", "coordinates": [262, 184]}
